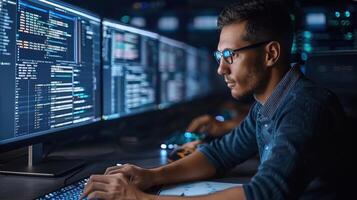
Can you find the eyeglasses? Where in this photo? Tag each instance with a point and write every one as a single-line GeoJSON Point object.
{"type": "Point", "coordinates": [228, 54]}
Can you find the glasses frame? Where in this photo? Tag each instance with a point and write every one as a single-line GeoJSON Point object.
{"type": "Point", "coordinates": [232, 52]}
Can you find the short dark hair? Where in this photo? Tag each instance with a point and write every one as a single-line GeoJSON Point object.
{"type": "Point", "coordinates": [266, 20]}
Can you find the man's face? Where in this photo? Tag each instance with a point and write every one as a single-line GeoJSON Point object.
{"type": "Point", "coordinates": [247, 74]}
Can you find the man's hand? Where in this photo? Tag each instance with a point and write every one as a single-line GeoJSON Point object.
{"type": "Point", "coordinates": [142, 178]}
{"type": "Point", "coordinates": [192, 145]}
{"type": "Point", "coordinates": [111, 187]}
{"type": "Point", "coordinates": [208, 124]}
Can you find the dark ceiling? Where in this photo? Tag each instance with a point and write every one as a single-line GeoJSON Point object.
{"type": "Point", "coordinates": [153, 9]}
{"type": "Point", "coordinates": [115, 8]}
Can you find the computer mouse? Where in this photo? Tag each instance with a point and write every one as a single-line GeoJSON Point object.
{"type": "Point", "coordinates": [178, 153]}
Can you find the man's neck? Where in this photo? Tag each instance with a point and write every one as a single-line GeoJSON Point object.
{"type": "Point", "coordinates": [277, 75]}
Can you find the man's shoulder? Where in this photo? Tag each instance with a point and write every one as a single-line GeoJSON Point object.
{"type": "Point", "coordinates": [308, 89]}
{"type": "Point", "coordinates": [306, 92]}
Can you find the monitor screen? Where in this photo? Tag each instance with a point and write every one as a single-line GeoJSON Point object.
{"type": "Point", "coordinates": [129, 70]}
{"type": "Point", "coordinates": [198, 73]}
{"type": "Point", "coordinates": [204, 22]}
{"type": "Point", "coordinates": [138, 21]}
{"type": "Point", "coordinates": [315, 20]}
{"type": "Point", "coordinates": [172, 66]}
{"type": "Point", "coordinates": [168, 23]}
{"type": "Point", "coordinates": [49, 68]}
{"type": "Point", "coordinates": [193, 73]}
{"type": "Point", "coordinates": [208, 73]}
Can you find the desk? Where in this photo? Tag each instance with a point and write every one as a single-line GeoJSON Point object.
{"type": "Point", "coordinates": [26, 187]}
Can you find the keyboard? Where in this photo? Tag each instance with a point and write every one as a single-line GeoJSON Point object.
{"type": "Point", "coordinates": [70, 192]}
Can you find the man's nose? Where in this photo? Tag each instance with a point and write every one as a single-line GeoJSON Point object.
{"type": "Point", "coordinates": [223, 67]}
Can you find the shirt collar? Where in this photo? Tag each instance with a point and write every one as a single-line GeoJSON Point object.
{"type": "Point", "coordinates": [280, 91]}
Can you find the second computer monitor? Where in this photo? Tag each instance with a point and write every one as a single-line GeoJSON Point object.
{"type": "Point", "coordinates": [129, 70]}
{"type": "Point", "coordinates": [198, 73]}
{"type": "Point", "coordinates": [192, 73]}
{"type": "Point", "coordinates": [172, 69]}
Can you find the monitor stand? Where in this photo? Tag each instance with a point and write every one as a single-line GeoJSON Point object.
{"type": "Point", "coordinates": [36, 166]}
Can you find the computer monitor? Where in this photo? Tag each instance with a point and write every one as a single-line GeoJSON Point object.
{"type": "Point", "coordinates": [168, 23]}
{"type": "Point", "coordinates": [198, 73]}
{"type": "Point", "coordinates": [130, 58]}
{"type": "Point", "coordinates": [315, 20]}
{"type": "Point", "coordinates": [49, 69]}
{"type": "Point", "coordinates": [203, 22]}
{"type": "Point", "coordinates": [193, 73]}
{"type": "Point", "coordinates": [172, 67]}
{"type": "Point", "coordinates": [209, 80]}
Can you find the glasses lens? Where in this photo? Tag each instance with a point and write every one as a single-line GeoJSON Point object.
{"type": "Point", "coordinates": [217, 56]}
{"type": "Point", "coordinates": [228, 56]}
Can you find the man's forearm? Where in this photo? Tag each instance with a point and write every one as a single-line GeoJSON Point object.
{"type": "Point", "coordinates": [236, 193]}
{"type": "Point", "coordinates": [193, 167]}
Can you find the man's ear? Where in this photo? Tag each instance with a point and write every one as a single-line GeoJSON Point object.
{"type": "Point", "coordinates": [272, 53]}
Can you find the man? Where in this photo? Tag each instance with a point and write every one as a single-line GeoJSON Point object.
{"type": "Point", "coordinates": [292, 125]}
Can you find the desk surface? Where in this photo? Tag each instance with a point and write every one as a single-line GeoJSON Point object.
{"type": "Point", "coordinates": [33, 187]}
